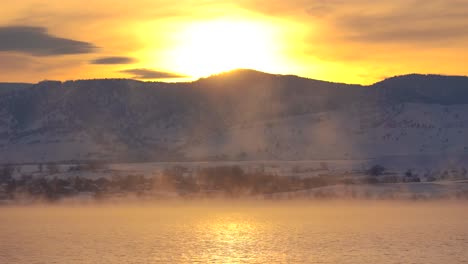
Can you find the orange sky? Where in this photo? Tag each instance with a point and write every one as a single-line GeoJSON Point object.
{"type": "Point", "coordinates": [352, 41]}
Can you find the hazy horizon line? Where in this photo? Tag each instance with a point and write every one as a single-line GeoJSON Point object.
{"type": "Point", "coordinates": [196, 79]}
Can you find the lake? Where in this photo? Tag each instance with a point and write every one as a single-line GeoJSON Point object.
{"type": "Point", "coordinates": [236, 232]}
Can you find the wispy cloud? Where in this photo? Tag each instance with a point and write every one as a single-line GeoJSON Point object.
{"type": "Point", "coordinates": [38, 42]}
{"type": "Point", "coordinates": [410, 21]}
{"type": "Point", "coordinates": [151, 74]}
{"type": "Point", "coordinates": [321, 8]}
{"type": "Point", "coordinates": [114, 60]}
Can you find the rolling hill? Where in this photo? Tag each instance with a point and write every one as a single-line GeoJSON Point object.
{"type": "Point", "coordinates": [239, 115]}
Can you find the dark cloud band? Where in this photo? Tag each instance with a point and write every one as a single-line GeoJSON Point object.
{"type": "Point", "coordinates": [38, 42]}
{"type": "Point", "coordinates": [114, 60]}
{"type": "Point", "coordinates": [151, 74]}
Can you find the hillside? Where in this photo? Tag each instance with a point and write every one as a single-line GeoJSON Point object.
{"type": "Point", "coordinates": [240, 115]}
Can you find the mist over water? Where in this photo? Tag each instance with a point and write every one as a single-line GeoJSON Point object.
{"type": "Point", "coordinates": [242, 166]}
{"type": "Point", "coordinates": [241, 231]}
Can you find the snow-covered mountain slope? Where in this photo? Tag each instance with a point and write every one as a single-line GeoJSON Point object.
{"type": "Point", "coordinates": [10, 87]}
{"type": "Point", "coordinates": [241, 115]}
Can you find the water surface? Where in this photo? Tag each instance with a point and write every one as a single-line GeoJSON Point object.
{"type": "Point", "coordinates": [237, 232]}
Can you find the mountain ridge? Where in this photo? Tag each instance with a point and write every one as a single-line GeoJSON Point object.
{"type": "Point", "coordinates": [245, 115]}
{"type": "Point", "coordinates": [251, 72]}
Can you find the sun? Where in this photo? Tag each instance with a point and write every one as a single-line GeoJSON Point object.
{"type": "Point", "coordinates": [208, 47]}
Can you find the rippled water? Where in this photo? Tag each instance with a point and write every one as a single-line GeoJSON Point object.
{"type": "Point", "coordinates": [227, 232]}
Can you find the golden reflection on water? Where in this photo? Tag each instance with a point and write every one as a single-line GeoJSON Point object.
{"type": "Point", "coordinates": [234, 236]}
{"type": "Point", "coordinates": [222, 233]}
{"type": "Point", "coordinates": [232, 232]}
{"type": "Point", "coordinates": [242, 236]}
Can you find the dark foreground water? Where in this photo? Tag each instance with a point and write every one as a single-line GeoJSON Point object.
{"type": "Point", "coordinates": [237, 232]}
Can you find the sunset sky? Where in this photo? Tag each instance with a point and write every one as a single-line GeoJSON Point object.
{"type": "Point", "coordinates": [352, 41]}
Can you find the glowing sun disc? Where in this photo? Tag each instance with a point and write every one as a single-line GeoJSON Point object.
{"type": "Point", "coordinates": [210, 47]}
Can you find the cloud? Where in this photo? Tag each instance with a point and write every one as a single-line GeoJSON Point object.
{"type": "Point", "coordinates": [10, 63]}
{"type": "Point", "coordinates": [413, 35]}
{"type": "Point", "coordinates": [414, 21]}
{"type": "Point", "coordinates": [151, 74]}
{"type": "Point", "coordinates": [114, 60]}
{"type": "Point", "coordinates": [38, 42]}
{"type": "Point", "coordinates": [321, 8]}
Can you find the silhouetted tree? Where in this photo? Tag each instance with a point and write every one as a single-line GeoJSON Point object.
{"type": "Point", "coordinates": [376, 170]}
{"type": "Point", "coordinates": [52, 168]}
{"type": "Point", "coordinates": [409, 173]}
{"type": "Point", "coordinates": [6, 172]}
